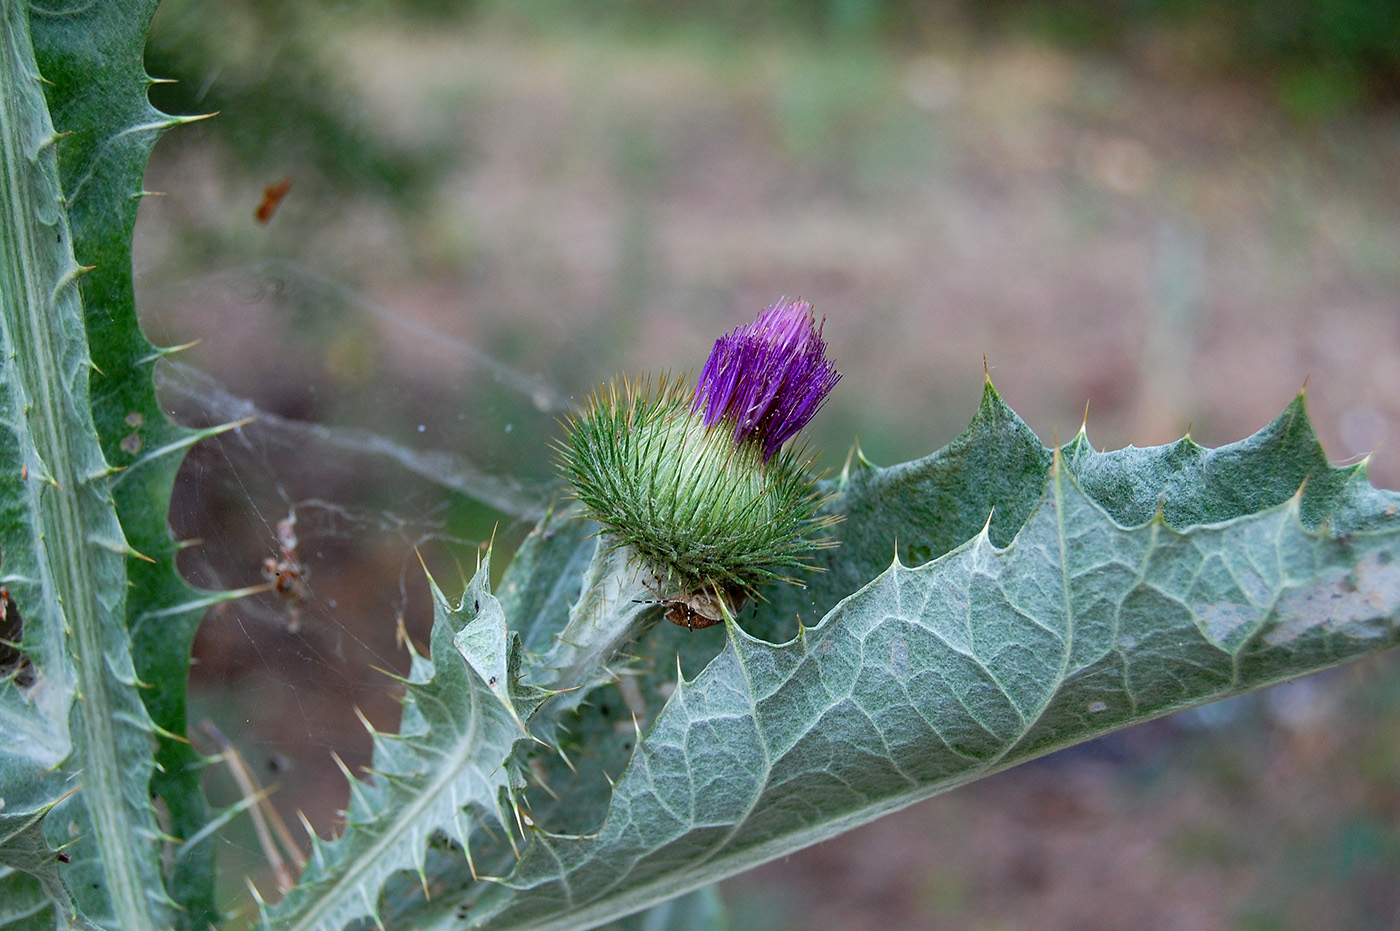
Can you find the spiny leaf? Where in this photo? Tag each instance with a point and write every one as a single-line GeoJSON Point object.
{"type": "Point", "coordinates": [933, 676]}
{"type": "Point", "coordinates": [1192, 484]}
{"type": "Point", "coordinates": [544, 577]}
{"type": "Point", "coordinates": [921, 511]}
{"type": "Point", "coordinates": [64, 548]}
{"type": "Point", "coordinates": [995, 470]}
{"type": "Point", "coordinates": [33, 886]}
{"type": "Point", "coordinates": [443, 776]}
{"type": "Point", "coordinates": [91, 55]}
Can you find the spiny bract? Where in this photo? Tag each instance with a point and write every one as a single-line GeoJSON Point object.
{"type": "Point", "coordinates": [697, 482]}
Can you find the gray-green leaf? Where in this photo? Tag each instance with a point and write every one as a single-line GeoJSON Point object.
{"type": "Point", "coordinates": [930, 677]}
{"type": "Point", "coordinates": [439, 781]}
{"type": "Point", "coordinates": [75, 723]}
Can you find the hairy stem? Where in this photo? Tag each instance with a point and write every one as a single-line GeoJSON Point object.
{"type": "Point", "coordinates": [617, 605]}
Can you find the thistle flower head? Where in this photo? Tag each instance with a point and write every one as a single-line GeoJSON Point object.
{"type": "Point", "coordinates": [768, 378]}
{"type": "Point", "coordinates": [697, 483]}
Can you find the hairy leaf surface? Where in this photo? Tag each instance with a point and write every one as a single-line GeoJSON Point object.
{"type": "Point", "coordinates": [952, 669]}
{"type": "Point", "coordinates": [932, 676]}
{"type": "Point", "coordinates": [92, 56]}
{"type": "Point", "coordinates": [78, 407]}
{"type": "Point", "coordinates": [994, 472]}
{"type": "Point", "coordinates": [439, 781]}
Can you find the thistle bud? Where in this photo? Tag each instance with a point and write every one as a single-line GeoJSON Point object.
{"type": "Point", "coordinates": [697, 482]}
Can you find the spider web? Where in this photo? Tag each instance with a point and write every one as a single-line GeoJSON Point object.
{"type": "Point", "coordinates": [338, 521]}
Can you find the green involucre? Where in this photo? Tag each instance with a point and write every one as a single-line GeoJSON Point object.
{"type": "Point", "coordinates": [704, 513]}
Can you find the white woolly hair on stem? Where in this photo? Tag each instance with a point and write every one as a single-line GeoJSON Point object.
{"type": "Point", "coordinates": [616, 605]}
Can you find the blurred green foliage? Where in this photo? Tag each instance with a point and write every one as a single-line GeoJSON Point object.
{"type": "Point", "coordinates": [265, 59]}
{"type": "Point", "coordinates": [1320, 57]}
{"type": "Point", "coordinates": [262, 64]}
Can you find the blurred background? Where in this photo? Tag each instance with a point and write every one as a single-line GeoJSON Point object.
{"type": "Point", "coordinates": [415, 232]}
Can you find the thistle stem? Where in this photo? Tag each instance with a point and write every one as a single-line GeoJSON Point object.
{"type": "Point", "coordinates": [617, 605]}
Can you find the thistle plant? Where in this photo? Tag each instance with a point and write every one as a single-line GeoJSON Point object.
{"type": "Point", "coordinates": [699, 501]}
{"type": "Point", "coordinates": [1037, 597]}
{"type": "Point", "coordinates": [698, 484]}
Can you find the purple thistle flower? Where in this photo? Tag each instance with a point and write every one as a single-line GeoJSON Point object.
{"type": "Point", "coordinates": [769, 377]}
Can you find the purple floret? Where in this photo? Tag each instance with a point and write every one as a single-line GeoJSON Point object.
{"type": "Point", "coordinates": [769, 377]}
